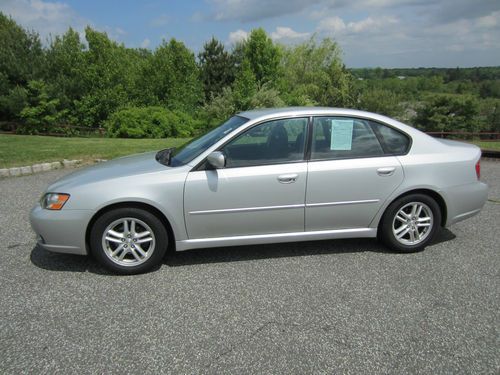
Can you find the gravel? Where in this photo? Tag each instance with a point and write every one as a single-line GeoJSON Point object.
{"type": "Point", "coordinates": [345, 306]}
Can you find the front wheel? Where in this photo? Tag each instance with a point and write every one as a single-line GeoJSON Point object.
{"type": "Point", "coordinates": [128, 240]}
{"type": "Point", "coordinates": [410, 223]}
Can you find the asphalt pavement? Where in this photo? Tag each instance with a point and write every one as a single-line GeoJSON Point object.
{"type": "Point", "coordinates": [328, 307]}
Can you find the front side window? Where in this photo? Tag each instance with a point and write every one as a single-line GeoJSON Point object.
{"type": "Point", "coordinates": [273, 142]}
{"type": "Point", "coordinates": [195, 147]}
{"type": "Point", "coordinates": [344, 137]}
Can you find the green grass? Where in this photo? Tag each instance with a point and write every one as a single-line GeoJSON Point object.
{"type": "Point", "coordinates": [20, 150]}
{"type": "Point", "coordinates": [494, 145]}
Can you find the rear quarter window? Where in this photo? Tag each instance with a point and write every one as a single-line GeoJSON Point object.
{"type": "Point", "coordinates": [393, 141]}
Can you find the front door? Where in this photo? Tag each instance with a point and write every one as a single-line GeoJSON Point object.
{"type": "Point", "coordinates": [260, 191]}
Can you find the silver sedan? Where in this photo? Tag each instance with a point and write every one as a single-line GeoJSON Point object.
{"type": "Point", "coordinates": [265, 176]}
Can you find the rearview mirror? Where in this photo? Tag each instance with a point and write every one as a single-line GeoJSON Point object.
{"type": "Point", "coordinates": [217, 159]}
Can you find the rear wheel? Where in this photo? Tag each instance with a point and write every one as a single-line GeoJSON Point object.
{"type": "Point", "coordinates": [410, 223]}
{"type": "Point", "coordinates": [128, 240]}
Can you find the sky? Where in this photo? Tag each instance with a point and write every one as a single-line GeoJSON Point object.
{"type": "Point", "coordinates": [371, 33]}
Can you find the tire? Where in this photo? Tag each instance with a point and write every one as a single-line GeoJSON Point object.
{"type": "Point", "coordinates": [410, 223]}
{"type": "Point", "coordinates": [128, 240]}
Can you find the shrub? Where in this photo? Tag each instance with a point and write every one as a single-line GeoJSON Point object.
{"type": "Point", "coordinates": [381, 101]}
{"type": "Point", "coordinates": [150, 122]}
{"type": "Point", "coordinates": [445, 112]}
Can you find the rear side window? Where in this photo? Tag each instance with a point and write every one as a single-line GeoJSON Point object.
{"type": "Point", "coordinates": [394, 142]}
{"type": "Point", "coordinates": [343, 137]}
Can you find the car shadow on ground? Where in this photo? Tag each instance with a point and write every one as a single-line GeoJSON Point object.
{"type": "Point", "coordinates": [77, 263]}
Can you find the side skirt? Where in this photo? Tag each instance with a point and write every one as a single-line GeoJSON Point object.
{"type": "Point", "coordinates": [275, 238]}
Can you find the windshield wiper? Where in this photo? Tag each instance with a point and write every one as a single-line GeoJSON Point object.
{"type": "Point", "coordinates": [164, 156]}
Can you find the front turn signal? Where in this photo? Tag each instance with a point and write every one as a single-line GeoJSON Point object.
{"type": "Point", "coordinates": [54, 201]}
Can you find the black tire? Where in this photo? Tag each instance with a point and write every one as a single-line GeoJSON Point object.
{"type": "Point", "coordinates": [146, 222]}
{"type": "Point", "coordinates": [387, 235]}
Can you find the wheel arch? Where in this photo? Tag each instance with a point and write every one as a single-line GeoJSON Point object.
{"type": "Point", "coordinates": [429, 192]}
{"type": "Point", "coordinates": [132, 204]}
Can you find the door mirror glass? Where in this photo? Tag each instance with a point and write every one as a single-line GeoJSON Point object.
{"type": "Point", "coordinates": [217, 159]}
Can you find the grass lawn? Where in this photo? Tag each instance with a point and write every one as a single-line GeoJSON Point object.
{"type": "Point", "coordinates": [20, 150]}
{"type": "Point", "coordinates": [495, 145]}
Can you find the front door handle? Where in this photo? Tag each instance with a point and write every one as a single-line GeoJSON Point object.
{"type": "Point", "coordinates": [288, 178]}
{"type": "Point", "coordinates": [386, 171]}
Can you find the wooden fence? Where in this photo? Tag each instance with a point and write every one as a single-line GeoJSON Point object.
{"type": "Point", "coordinates": [62, 130]}
{"type": "Point", "coordinates": [472, 136]}
{"type": "Point", "coordinates": [65, 130]}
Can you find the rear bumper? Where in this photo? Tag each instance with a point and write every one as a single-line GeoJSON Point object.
{"type": "Point", "coordinates": [464, 201]}
{"type": "Point", "coordinates": [61, 231]}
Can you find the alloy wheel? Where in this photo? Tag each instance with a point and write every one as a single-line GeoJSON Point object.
{"type": "Point", "coordinates": [128, 241]}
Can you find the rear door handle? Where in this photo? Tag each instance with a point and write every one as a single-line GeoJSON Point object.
{"type": "Point", "coordinates": [288, 178]}
{"type": "Point", "coordinates": [386, 171]}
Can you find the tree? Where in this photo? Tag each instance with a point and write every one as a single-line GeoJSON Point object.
{"type": "Point", "coordinates": [42, 111]}
{"type": "Point", "coordinates": [171, 77]}
{"type": "Point", "coordinates": [263, 57]}
{"type": "Point", "coordinates": [314, 73]}
{"type": "Point", "coordinates": [217, 68]}
{"type": "Point", "coordinates": [105, 79]}
{"type": "Point", "coordinates": [445, 112]}
{"type": "Point", "coordinates": [245, 86]}
{"type": "Point", "coordinates": [21, 60]}
{"type": "Point", "coordinates": [66, 67]}
{"type": "Point", "coordinates": [380, 101]}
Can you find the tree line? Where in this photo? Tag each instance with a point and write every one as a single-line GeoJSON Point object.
{"type": "Point", "coordinates": [93, 81]}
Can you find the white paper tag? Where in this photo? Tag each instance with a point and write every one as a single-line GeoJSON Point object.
{"type": "Point", "coordinates": [341, 135]}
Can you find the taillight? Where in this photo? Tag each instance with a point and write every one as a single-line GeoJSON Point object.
{"type": "Point", "coordinates": [478, 169]}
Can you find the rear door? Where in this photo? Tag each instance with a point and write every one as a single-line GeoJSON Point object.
{"type": "Point", "coordinates": [351, 173]}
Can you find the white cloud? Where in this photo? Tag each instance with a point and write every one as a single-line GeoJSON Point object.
{"type": "Point", "coordinates": [333, 24]}
{"type": "Point", "coordinates": [337, 25]}
{"type": "Point", "coordinates": [287, 33]}
{"type": "Point", "coordinates": [120, 31]}
{"type": "Point", "coordinates": [489, 21]}
{"type": "Point", "coordinates": [160, 21]}
{"type": "Point", "coordinates": [51, 18]}
{"type": "Point", "coordinates": [46, 17]}
{"type": "Point", "coordinates": [145, 43]}
{"type": "Point", "coordinates": [237, 36]}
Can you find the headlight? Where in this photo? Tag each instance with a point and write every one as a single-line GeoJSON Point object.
{"type": "Point", "coordinates": [54, 201]}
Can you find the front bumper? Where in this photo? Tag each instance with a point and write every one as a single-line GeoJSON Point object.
{"type": "Point", "coordinates": [61, 231]}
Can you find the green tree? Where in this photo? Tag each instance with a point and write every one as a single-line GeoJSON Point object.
{"type": "Point", "coordinates": [66, 67]}
{"type": "Point", "coordinates": [245, 86]}
{"type": "Point", "coordinates": [42, 112]}
{"type": "Point", "coordinates": [171, 77]}
{"type": "Point", "coordinates": [380, 101]}
{"type": "Point", "coordinates": [263, 57]}
{"type": "Point", "coordinates": [21, 60]}
{"type": "Point", "coordinates": [444, 112]}
{"type": "Point", "coordinates": [217, 68]}
{"type": "Point", "coordinates": [107, 79]}
{"type": "Point", "coordinates": [314, 73]}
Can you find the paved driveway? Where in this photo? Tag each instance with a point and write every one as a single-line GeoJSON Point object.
{"type": "Point", "coordinates": [343, 306]}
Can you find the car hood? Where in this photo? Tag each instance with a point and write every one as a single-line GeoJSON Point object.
{"type": "Point", "coordinates": [139, 164]}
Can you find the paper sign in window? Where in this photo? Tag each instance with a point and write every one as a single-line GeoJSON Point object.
{"type": "Point", "coordinates": [341, 135]}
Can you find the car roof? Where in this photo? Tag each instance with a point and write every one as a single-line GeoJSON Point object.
{"type": "Point", "coordinates": [298, 111]}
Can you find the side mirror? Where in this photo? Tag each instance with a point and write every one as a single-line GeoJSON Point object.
{"type": "Point", "coordinates": [217, 159]}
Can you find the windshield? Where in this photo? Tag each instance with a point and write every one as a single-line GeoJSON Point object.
{"type": "Point", "coordinates": [196, 146]}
